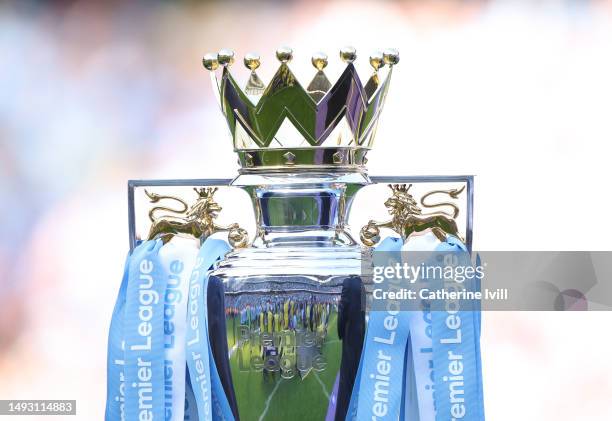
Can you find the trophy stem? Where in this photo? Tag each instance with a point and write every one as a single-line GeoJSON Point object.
{"type": "Point", "coordinates": [302, 209]}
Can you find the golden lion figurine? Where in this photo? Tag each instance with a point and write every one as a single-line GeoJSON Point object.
{"type": "Point", "coordinates": [198, 220]}
{"type": "Point", "coordinates": [408, 218]}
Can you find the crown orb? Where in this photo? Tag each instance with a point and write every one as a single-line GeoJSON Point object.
{"type": "Point", "coordinates": [210, 62]}
{"type": "Point", "coordinates": [391, 56]}
{"type": "Point", "coordinates": [377, 60]}
{"type": "Point", "coordinates": [348, 54]}
{"type": "Point", "coordinates": [284, 54]}
{"type": "Point", "coordinates": [226, 57]}
{"type": "Point", "coordinates": [252, 61]}
{"type": "Point", "coordinates": [319, 60]}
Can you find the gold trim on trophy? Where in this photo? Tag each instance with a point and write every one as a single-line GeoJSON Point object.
{"type": "Point", "coordinates": [407, 216]}
{"type": "Point", "coordinates": [197, 220]}
{"type": "Point", "coordinates": [274, 125]}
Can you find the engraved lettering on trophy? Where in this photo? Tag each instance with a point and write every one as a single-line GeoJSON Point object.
{"type": "Point", "coordinates": [288, 362]}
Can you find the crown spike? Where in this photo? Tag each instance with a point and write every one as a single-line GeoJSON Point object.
{"type": "Point", "coordinates": [320, 84]}
{"type": "Point", "coordinates": [210, 62]}
{"type": "Point", "coordinates": [254, 86]}
{"type": "Point", "coordinates": [287, 125]}
{"type": "Point", "coordinates": [284, 54]}
{"type": "Point", "coordinates": [377, 60]}
{"type": "Point", "coordinates": [319, 60]}
{"type": "Point", "coordinates": [348, 54]}
{"type": "Point", "coordinates": [226, 57]}
{"type": "Point", "coordinates": [391, 56]}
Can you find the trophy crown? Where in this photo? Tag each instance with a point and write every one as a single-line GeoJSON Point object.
{"type": "Point", "coordinates": [283, 125]}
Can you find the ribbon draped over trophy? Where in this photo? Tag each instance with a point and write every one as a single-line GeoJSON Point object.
{"type": "Point", "coordinates": [210, 324]}
{"type": "Point", "coordinates": [160, 358]}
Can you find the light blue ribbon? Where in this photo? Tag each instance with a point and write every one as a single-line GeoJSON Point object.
{"type": "Point", "coordinates": [115, 379]}
{"type": "Point", "coordinates": [441, 380]}
{"type": "Point", "coordinates": [136, 357]}
{"type": "Point", "coordinates": [477, 327]}
{"type": "Point", "coordinates": [144, 334]}
{"type": "Point", "coordinates": [210, 398]}
{"type": "Point", "coordinates": [418, 402]}
{"type": "Point", "coordinates": [177, 259]}
{"type": "Point", "coordinates": [377, 394]}
{"type": "Point", "coordinates": [456, 352]}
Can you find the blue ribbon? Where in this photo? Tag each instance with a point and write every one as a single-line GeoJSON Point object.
{"type": "Point", "coordinates": [456, 352]}
{"type": "Point", "coordinates": [376, 395]}
{"type": "Point", "coordinates": [438, 376]}
{"type": "Point", "coordinates": [141, 333]}
{"type": "Point", "coordinates": [418, 403]}
{"type": "Point", "coordinates": [211, 401]}
{"type": "Point", "coordinates": [144, 334]}
{"type": "Point", "coordinates": [115, 379]}
{"type": "Point", "coordinates": [177, 259]}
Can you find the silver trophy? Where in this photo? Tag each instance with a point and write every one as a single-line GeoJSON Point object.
{"type": "Point", "coordinates": [288, 322]}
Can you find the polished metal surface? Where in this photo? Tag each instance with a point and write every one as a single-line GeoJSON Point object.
{"type": "Point", "coordinates": [310, 209]}
{"type": "Point", "coordinates": [340, 159]}
{"type": "Point", "coordinates": [255, 85]}
{"type": "Point", "coordinates": [285, 115]}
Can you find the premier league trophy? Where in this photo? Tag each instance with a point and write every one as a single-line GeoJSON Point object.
{"type": "Point", "coordinates": [258, 312]}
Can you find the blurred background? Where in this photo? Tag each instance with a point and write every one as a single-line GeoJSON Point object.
{"type": "Point", "coordinates": [518, 93]}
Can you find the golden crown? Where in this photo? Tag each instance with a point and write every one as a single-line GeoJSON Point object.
{"type": "Point", "coordinates": [283, 125]}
